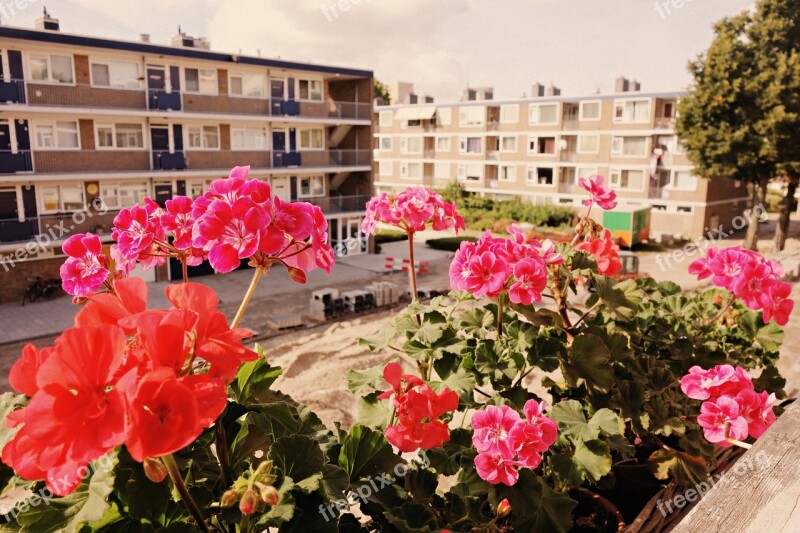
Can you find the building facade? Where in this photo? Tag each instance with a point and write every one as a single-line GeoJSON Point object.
{"type": "Point", "coordinates": [89, 126]}
{"type": "Point", "coordinates": [537, 148]}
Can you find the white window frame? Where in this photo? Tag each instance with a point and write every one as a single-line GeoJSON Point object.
{"type": "Point", "coordinates": [673, 182]}
{"type": "Point", "coordinates": [448, 142]}
{"type": "Point", "coordinates": [243, 75]}
{"type": "Point", "coordinates": [386, 169]}
{"type": "Point", "coordinates": [48, 57]}
{"type": "Point", "coordinates": [404, 170]}
{"type": "Point", "coordinates": [108, 64]}
{"type": "Point", "coordinates": [583, 136]}
{"type": "Point", "coordinates": [311, 147]}
{"type": "Point", "coordinates": [203, 146]}
{"type": "Point", "coordinates": [535, 181]}
{"type": "Point", "coordinates": [535, 150]}
{"type": "Point", "coordinates": [615, 179]}
{"type": "Point", "coordinates": [53, 124]}
{"type": "Point", "coordinates": [59, 188]}
{"type": "Point", "coordinates": [444, 116]}
{"type": "Point", "coordinates": [300, 180]}
{"type": "Point", "coordinates": [437, 170]}
{"type": "Point", "coordinates": [310, 81]}
{"type": "Point", "coordinates": [624, 119]}
{"type": "Point", "coordinates": [504, 171]}
{"type": "Point", "coordinates": [405, 144]}
{"type": "Point", "coordinates": [386, 118]}
{"type": "Point", "coordinates": [244, 130]}
{"type": "Point", "coordinates": [618, 146]}
{"type": "Point", "coordinates": [462, 172]}
{"type": "Point", "coordinates": [509, 109]}
{"type": "Point", "coordinates": [511, 150]}
{"type": "Point", "coordinates": [583, 118]}
{"type": "Point", "coordinates": [463, 144]}
{"type": "Point", "coordinates": [466, 121]}
{"type": "Point", "coordinates": [381, 140]}
{"type": "Point", "coordinates": [113, 126]}
{"type": "Point", "coordinates": [535, 112]}
{"type": "Point", "coordinates": [120, 186]}
{"type": "Point", "coordinates": [199, 78]}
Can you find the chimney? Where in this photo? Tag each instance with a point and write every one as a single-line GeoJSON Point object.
{"type": "Point", "coordinates": [622, 85]}
{"type": "Point", "coordinates": [46, 22]}
{"type": "Point", "coordinates": [187, 41]}
{"type": "Point", "coordinates": [428, 99]}
{"type": "Point", "coordinates": [537, 90]}
{"type": "Point", "coordinates": [145, 37]}
{"type": "Point", "coordinates": [413, 98]}
{"type": "Point", "coordinates": [635, 86]}
{"type": "Point", "coordinates": [553, 91]}
{"type": "Point", "coordinates": [469, 95]}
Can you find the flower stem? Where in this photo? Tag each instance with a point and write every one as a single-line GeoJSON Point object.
{"type": "Point", "coordinates": [722, 311]}
{"type": "Point", "coordinates": [739, 443]}
{"type": "Point", "coordinates": [188, 501]}
{"type": "Point", "coordinates": [581, 225]}
{"type": "Point", "coordinates": [499, 316]}
{"type": "Point", "coordinates": [244, 525]}
{"type": "Point", "coordinates": [412, 271]}
{"type": "Point", "coordinates": [224, 454]}
{"type": "Point", "coordinates": [248, 295]}
{"type": "Point", "coordinates": [185, 269]}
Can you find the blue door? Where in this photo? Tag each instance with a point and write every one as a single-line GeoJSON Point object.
{"type": "Point", "coordinates": [278, 148]}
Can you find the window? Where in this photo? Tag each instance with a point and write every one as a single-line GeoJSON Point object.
{"type": "Point", "coordinates": [508, 144]}
{"type": "Point", "coordinates": [410, 170]}
{"type": "Point", "coordinates": [120, 136]}
{"type": "Point", "coordinates": [543, 114]}
{"type": "Point", "coordinates": [632, 111]}
{"type": "Point", "coordinates": [683, 180]}
{"type": "Point", "coordinates": [540, 176]}
{"type": "Point", "coordinates": [507, 173]}
{"type": "Point", "coordinates": [509, 113]}
{"type": "Point", "coordinates": [312, 186]}
{"type": "Point", "coordinates": [472, 172]}
{"type": "Point", "coordinates": [118, 196]}
{"type": "Point", "coordinates": [203, 137]}
{"type": "Point", "coordinates": [386, 119]}
{"type": "Point", "coordinates": [386, 143]}
{"type": "Point", "coordinates": [666, 110]}
{"type": "Point", "coordinates": [51, 68]}
{"type": "Point", "coordinates": [629, 146]}
{"type": "Point", "coordinates": [685, 209]}
{"type": "Point", "coordinates": [201, 80]}
{"type": "Point", "coordinates": [118, 74]}
{"type": "Point", "coordinates": [63, 197]}
{"type": "Point", "coordinates": [627, 179]}
{"type": "Point", "coordinates": [312, 139]}
{"type": "Point", "coordinates": [310, 90]}
{"type": "Point", "coordinates": [444, 116]}
{"type": "Point", "coordinates": [248, 139]}
{"type": "Point", "coordinates": [441, 170]}
{"type": "Point", "coordinates": [584, 172]}
{"type": "Point", "coordinates": [470, 145]}
{"type": "Point", "coordinates": [590, 110]}
{"type": "Point", "coordinates": [471, 116]}
{"type": "Point", "coordinates": [588, 144]}
{"type": "Point", "coordinates": [57, 135]}
{"type": "Point", "coordinates": [386, 168]}
{"type": "Point", "coordinates": [410, 145]}
{"type": "Point", "coordinates": [248, 85]}
{"type": "Point", "coordinates": [541, 145]}
{"type": "Point", "coordinates": [443, 144]}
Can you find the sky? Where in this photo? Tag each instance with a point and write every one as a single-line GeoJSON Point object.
{"type": "Point", "coordinates": [442, 46]}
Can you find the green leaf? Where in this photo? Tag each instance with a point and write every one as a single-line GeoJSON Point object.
{"type": "Point", "coordinates": [9, 402]}
{"type": "Point", "coordinates": [572, 421]}
{"type": "Point", "coordinates": [373, 412]}
{"type": "Point", "coordinates": [297, 456]}
{"type": "Point", "coordinates": [687, 470]}
{"type": "Point", "coordinates": [254, 435]}
{"type": "Point", "coordinates": [412, 517]}
{"type": "Point", "coordinates": [448, 458]}
{"type": "Point", "coordinates": [284, 511]}
{"type": "Point", "coordinates": [498, 368]}
{"type": "Point", "coordinates": [366, 453]}
{"type": "Point", "coordinates": [475, 322]}
{"type": "Point", "coordinates": [253, 379]}
{"type": "Point", "coordinates": [536, 508]}
{"type": "Point", "coordinates": [621, 298]}
{"type": "Point", "coordinates": [590, 362]}
{"type": "Point", "coordinates": [590, 460]}
{"type": "Point", "coordinates": [84, 506]}
{"type": "Point", "coordinates": [771, 380]}
{"type": "Point", "coordinates": [380, 341]}
{"type": "Point", "coordinates": [458, 381]}
{"type": "Point", "coordinates": [368, 380]}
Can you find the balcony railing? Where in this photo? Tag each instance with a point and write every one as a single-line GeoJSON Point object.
{"type": "Point", "coordinates": [341, 204]}
{"type": "Point", "coordinates": [322, 158]}
{"type": "Point", "coordinates": [15, 161]}
{"type": "Point", "coordinates": [63, 225]}
{"type": "Point", "coordinates": [88, 96]}
{"type": "Point", "coordinates": [665, 123]}
{"type": "Point", "coordinates": [164, 160]}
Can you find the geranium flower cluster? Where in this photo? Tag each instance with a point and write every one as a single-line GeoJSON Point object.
{"type": "Point", "coordinates": [122, 375]}
{"type": "Point", "coordinates": [418, 408]}
{"type": "Point", "coordinates": [733, 409]}
{"type": "Point", "coordinates": [493, 265]}
{"type": "Point", "coordinates": [236, 219]}
{"type": "Point", "coordinates": [601, 194]}
{"type": "Point", "coordinates": [412, 210]}
{"type": "Point", "coordinates": [505, 441]}
{"type": "Point", "coordinates": [605, 252]}
{"type": "Point", "coordinates": [750, 277]}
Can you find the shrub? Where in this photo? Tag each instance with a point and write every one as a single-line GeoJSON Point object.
{"type": "Point", "coordinates": [449, 244]}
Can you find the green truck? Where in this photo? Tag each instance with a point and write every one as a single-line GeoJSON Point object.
{"type": "Point", "coordinates": [630, 225]}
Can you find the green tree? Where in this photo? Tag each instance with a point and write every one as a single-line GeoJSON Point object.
{"type": "Point", "coordinates": [741, 114]}
{"type": "Point", "coordinates": [382, 92]}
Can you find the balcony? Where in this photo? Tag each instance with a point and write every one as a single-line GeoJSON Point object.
{"type": "Point", "coordinates": [91, 160]}
{"type": "Point", "coordinates": [322, 158]}
{"type": "Point", "coordinates": [566, 156]}
{"type": "Point", "coordinates": [341, 204]}
{"type": "Point", "coordinates": [12, 92]}
{"type": "Point", "coordinates": [15, 162]}
{"type": "Point", "coordinates": [216, 159]}
{"type": "Point", "coordinates": [14, 230]}
{"type": "Point", "coordinates": [83, 95]}
{"type": "Point", "coordinates": [663, 123]}
{"type": "Point", "coordinates": [164, 101]}
{"type": "Point", "coordinates": [429, 154]}
{"type": "Point", "coordinates": [164, 160]}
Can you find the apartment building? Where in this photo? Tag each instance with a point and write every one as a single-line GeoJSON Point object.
{"type": "Point", "coordinates": [537, 148]}
{"type": "Point", "coordinates": [83, 118]}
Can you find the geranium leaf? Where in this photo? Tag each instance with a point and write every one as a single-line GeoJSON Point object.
{"type": "Point", "coordinates": [366, 452]}
{"type": "Point", "coordinates": [572, 421]}
{"type": "Point", "coordinates": [590, 362]}
{"type": "Point", "coordinates": [687, 470]}
{"type": "Point", "coordinates": [88, 504]}
{"type": "Point", "coordinates": [379, 341]}
{"type": "Point", "coordinates": [9, 402]}
{"type": "Point", "coordinates": [284, 511]}
{"type": "Point", "coordinates": [297, 456]}
{"type": "Point", "coordinates": [458, 381]}
{"type": "Point", "coordinates": [412, 517]}
{"type": "Point", "coordinates": [359, 381]}
{"type": "Point", "coordinates": [253, 379]}
{"type": "Point", "coordinates": [590, 460]}
{"type": "Point", "coordinates": [373, 412]}
{"type": "Point", "coordinates": [475, 322]}
{"type": "Point", "coordinates": [536, 508]}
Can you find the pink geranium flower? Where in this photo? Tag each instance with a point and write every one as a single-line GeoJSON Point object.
{"type": "Point", "coordinates": [700, 384]}
{"type": "Point", "coordinates": [602, 195]}
{"type": "Point", "coordinates": [411, 210]}
{"type": "Point", "coordinates": [84, 272]}
{"type": "Point", "coordinates": [756, 408]}
{"type": "Point", "coordinates": [486, 275]}
{"type": "Point", "coordinates": [605, 252]}
{"type": "Point", "coordinates": [776, 303]}
{"type": "Point", "coordinates": [495, 468]}
{"type": "Point", "coordinates": [178, 220]}
{"type": "Point", "coordinates": [721, 416]}
{"type": "Point", "coordinates": [492, 427]}
{"type": "Point", "coordinates": [531, 280]}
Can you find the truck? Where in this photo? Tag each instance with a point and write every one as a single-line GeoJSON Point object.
{"type": "Point", "coordinates": [629, 225]}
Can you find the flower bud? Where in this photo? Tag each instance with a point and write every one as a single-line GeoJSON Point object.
{"type": "Point", "coordinates": [297, 275]}
{"type": "Point", "coordinates": [503, 508]}
{"type": "Point", "coordinates": [249, 501]}
{"type": "Point", "coordinates": [154, 469]}
{"type": "Point", "coordinates": [229, 497]}
{"type": "Point", "coordinates": [269, 494]}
